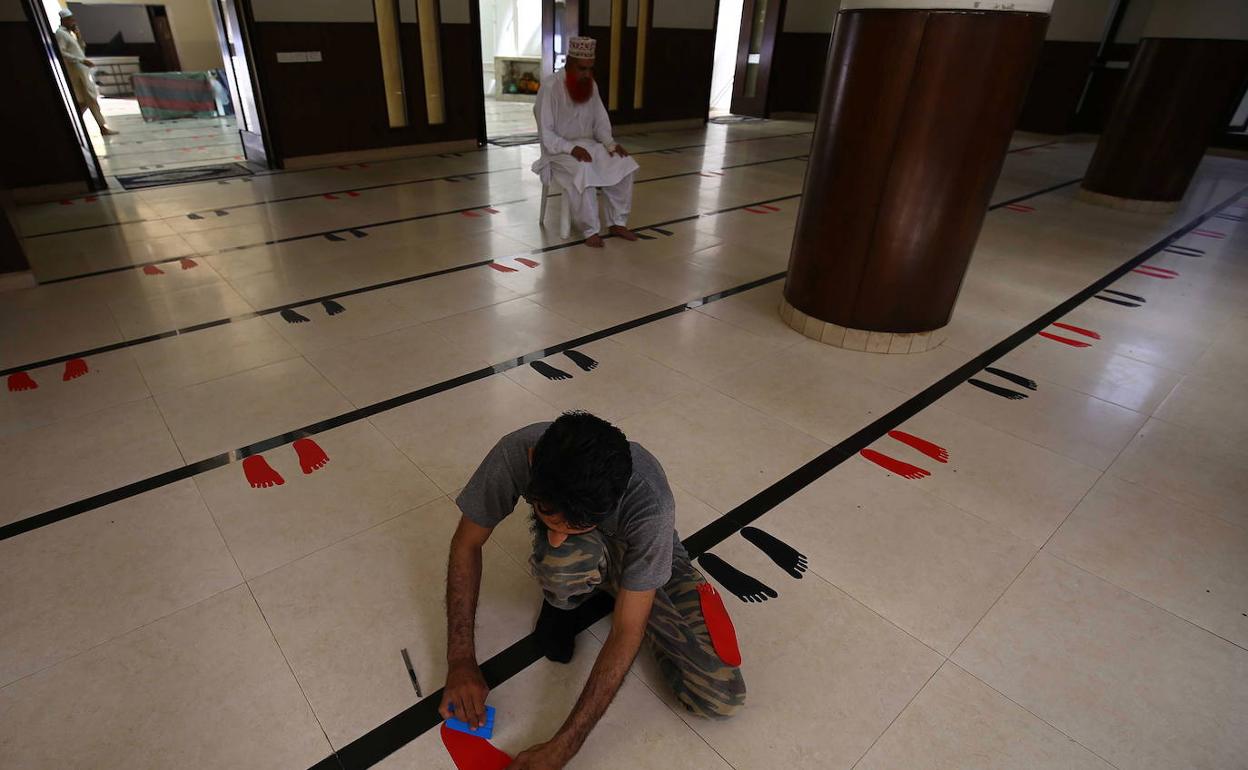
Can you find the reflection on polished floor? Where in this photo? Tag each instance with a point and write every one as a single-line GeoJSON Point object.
{"type": "Point", "coordinates": [1062, 585]}
{"type": "Point", "coordinates": [144, 147]}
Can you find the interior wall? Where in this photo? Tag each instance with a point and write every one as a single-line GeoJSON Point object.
{"type": "Point", "coordinates": [194, 30]}
{"type": "Point", "coordinates": [800, 55]}
{"type": "Point", "coordinates": [1074, 34]}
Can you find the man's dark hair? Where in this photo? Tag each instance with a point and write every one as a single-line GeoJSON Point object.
{"type": "Point", "coordinates": [581, 467]}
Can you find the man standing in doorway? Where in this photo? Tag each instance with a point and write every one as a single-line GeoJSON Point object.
{"type": "Point", "coordinates": [86, 94]}
{"type": "Point", "coordinates": [578, 151]}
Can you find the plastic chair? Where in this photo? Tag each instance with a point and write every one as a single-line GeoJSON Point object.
{"type": "Point", "coordinates": [565, 210]}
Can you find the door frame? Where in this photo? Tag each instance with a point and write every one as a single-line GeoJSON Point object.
{"type": "Point", "coordinates": [258, 147]}
{"type": "Point", "coordinates": [757, 106]}
{"type": "Point", "coordinates": [92, 171]}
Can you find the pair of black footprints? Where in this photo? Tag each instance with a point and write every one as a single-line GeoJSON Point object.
{"type": "Point", "coordinates": [746, 587]}
{"type": "Point", "coordinates": [291, 317]}
{"type": "Point", "coordinates": [586, 364]}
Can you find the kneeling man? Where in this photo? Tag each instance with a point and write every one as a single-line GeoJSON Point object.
{"type": "Point", "coordinates": [578, 152]}
{"type": "Point", "coordinates": [603, 517]}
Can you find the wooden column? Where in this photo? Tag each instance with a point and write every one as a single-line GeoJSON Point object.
{"type": "Point", "coordinates": [917, 111]}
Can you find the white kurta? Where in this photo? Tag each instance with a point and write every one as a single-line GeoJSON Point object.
{"type": "Point", "coordinates": [85, 90]}
{"type": "Point", "coordinates": [563, 124]}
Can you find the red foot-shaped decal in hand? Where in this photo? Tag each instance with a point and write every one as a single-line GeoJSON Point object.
{"type": "Point", "coordinates": [719, 625]}
{"type": "Point", "coordinates": [152, 270]}
{"type": "Point", "coordinates": [934, 451]}
{"type": "Point", "coordinates": [469, 752]}
{"type": "Point", "coordinates": [187, 263]}
{"type": "Point", "coordinates": [74, 369]}
{"type": "Point", "coordinates": [1066, 340]}
{"type": "Point", "coordinates": [260, 474]}
{"type": "Point", "coordinates": [905, 470]}
{"type": "Point", "coordinates": [311, 456]}
{"type": "Point", "coordinates": [1077, 330]}
{"type": "Point", "coordinates": [21, 381]}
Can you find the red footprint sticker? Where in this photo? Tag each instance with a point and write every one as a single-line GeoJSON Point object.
{"type": "Point", "coordinates": [187, 263]}
{"type": "Point", "coordinates": [1021, 208]}
{"type": "Point", "coordinates": [527, 262]}
{"type": "Point", "coordinates": [905, 470]}
{"type": "Point", "coordinates": [21, 381]}
{"type": "Point", "coordinates": [1156, 272]}
{"type": "Point", "coordinates": [719, 625]}
{"type": "Point", "coordinates": [934, 451]}
{"type": "Point", "coordinates": [353, 194]}
{"type": "Point", "coordinates": [502, 268]}
{"type": "Point", "coordinates": [1077, 330]}
{"type": "Point", "coordinates": [67, 203]}
{"type": "Point", "coordinates": [74, 369]}
{"type": "Point", "coordinates": [469, 752]}
{"type": "Point", "coordinates": [330, 197]}
{"type": "Point", "coordinates": [753, 210]}
{"type": "Point", "coordinates": [260, 474]}
{"type": "Point", "coordinates": [1209, 234]}
{"type": "Point", "coordinates": [152, 270]}
{"type": "Point", "coordinates": [311, 456]}
{"type": "Point", "coordinates": [1066, 340]}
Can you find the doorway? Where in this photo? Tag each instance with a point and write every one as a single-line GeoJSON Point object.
{"type": "Point", "coordinates": [513, 62]}
{"type": "Point", "coordinates": [756, 44]}
{"type": "Point", "coordinates": [165, 77]}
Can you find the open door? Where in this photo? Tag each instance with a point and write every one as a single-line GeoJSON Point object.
{"type": "Point", "coordinates": [235, 50]}
{"type": "Point", "coordinates": [760, 23]}
{"type": "Point", "coordinates": [560, 21]}
{"type": "Point", "coordinates": [56, 67]}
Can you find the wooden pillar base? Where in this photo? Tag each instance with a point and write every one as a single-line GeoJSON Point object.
{"type": "Point", "coordinates": [1126, 204]}
{"type": "Point", "coordinates": [860, 339]}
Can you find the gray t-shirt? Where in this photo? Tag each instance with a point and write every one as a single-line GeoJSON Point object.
{"type": "Point", "coordinates": [644, 520]}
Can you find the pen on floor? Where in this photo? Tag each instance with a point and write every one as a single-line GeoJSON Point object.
{"type": "Point", "coordinates": [411, 672]}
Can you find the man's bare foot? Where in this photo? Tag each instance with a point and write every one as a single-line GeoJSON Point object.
{"type": "Point", "coordinates": [623, 232]}
{"type": "Point", "coordinates": [594, 241]}
{"type": "Point", "coordinates": [108, 132]}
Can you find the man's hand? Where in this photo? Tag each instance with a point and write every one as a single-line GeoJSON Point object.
{"type": "Point", "coordinates": [619, 150]}
{"type": "Point", "coordinates": [464, 696]}
{"type": "Point", "coordinates": [88, 62]}
{"type": "Point", "coordinates": [582, 154]}
{"type": "Point", "coordinates": [543, 756]}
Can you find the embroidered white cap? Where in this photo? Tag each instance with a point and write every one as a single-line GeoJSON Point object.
{"type": "Point", "coordinates": [64, 14]}
{"type": "Point", "coordinates": [582, 47]}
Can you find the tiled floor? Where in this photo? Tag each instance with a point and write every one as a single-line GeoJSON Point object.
{"type": "Point", "coordinates": [162, 145]}
{"type": "Point", "coordinates": [1064, 586]}
{"type": "Point", "coordinates": [508, 118]}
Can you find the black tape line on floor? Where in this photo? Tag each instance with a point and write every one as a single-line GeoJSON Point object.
{"type": "Point", "coordinates": [379, 743]}
{"type": "Point", "coordinates": [366, 188]}
{"type": "Point", "coordinates": [368, 226]}
{"type": "Point", "coordinates": [127, 491]}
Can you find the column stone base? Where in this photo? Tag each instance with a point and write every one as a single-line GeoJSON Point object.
{"type": "Point", "coordinates": [1127, 204]}
{"type": "Point", "coordinates": [860, 339]}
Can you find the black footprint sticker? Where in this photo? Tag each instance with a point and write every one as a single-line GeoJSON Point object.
{"type": "Point", "coordinates": [291, 317]}
{"type": "Point", "coordinates": [1122, 302]}
{"type": "Point", "coordinates": [1009, 393]}
{"type": "Point", "coordinates": [739, 584]}
{"type": "Point", "coordinates": [331, 307]}
{"type": "Point", "coordinates": [784, 555]}
{"type": "Point", "coordinates": [1135, 297]}
{"type": "Point", "coordinates": [549, 372]}
{"type": "Point", "coordinates": [586, 363]}
{"type": "Point", "coordinates": [1017, 379]}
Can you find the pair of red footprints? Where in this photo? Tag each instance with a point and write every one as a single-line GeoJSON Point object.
{"type": "Point", "coordinates": [262, 476]}
{"type": "Point", "coordinates": [186, 262]}
{"type": "Point", "coordinates": [1074, 343]}
{"type": "Point", "coordinates": [74, 369]}
{"type": "Point", "coordinates": [905, 469]}
{"type": "Point", "coordinates": [503, 267]}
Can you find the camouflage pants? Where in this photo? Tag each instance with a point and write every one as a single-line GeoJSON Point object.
{"type": "Point", "coordinates": [677, 632]}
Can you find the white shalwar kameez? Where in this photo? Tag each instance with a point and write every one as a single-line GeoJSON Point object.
{"type": "Point", "coordinates": [86, 93]}
{"type": "Point", "coordinates": [563, 124]}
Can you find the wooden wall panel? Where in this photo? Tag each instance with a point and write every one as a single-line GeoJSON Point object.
{"type": "Point", "coordinates": [1053, 96]}
{"type": "Point", "coordinates": [797, 71]}
{"type": "Point", "coordinates": [678, 73]}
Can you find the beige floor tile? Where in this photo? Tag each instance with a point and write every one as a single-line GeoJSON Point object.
{"type": "Point", "coordinates": [756, 311]}
{"type": "Point", "coordinates": [825, 675]}
{"type": "Point", "coordinates": [209, 354]}
{"type": "Point", "coordinates": [1025, 489]}
{"type": "Point", "coordinates": [343, 614]}
{"type": "Point", "coordinates": [448, 435]}
{"type": "Point", "coordinates": [1131, 682]}
{"type": "Point", "coordinates": [34, 331]}
{"type": "Point", "coordinates": [801, 387]}
{"type": "Point", "coordinates": [1070, 423]}
{"type": "Point", "coordinates": [698, 345]}
{"type": "Point", "coordinates": [234, 411]}
{"type": "Point", "coordinates": [1227, 357]}
{"type": "Point", "coordinates": [206, 686]}
{"type": "Point", "coordinates": [448, 294]}
{"type": "Point", "coordinates": [1202, 470]}
{"type": "Point", "coordinates": [507, 330]}
{"type": "Point", "coordinates": [178, 309]}
{"type": "Point", "coordinates": [362, 316]}
{"type": "Point", "coordinates": [958, 722]}
{"type": "Point", "coordinates": [78, 583]}
{"type": "Point", "coordinates": [601, 302]}
{"type": "Point", "coordinates": [112, 378]}
{"type": "Point", "coordinates": [926, 566]}
{"type": "Point", "coordinates": [636, 733]}
{"type": "Point", "coordinates": [622, 384]}
{"type": "Point", "coordinates": [372, 370]}
{"type": "Point", "coordinates": [751, 449]}
{"type": "Point", "coordinates": [366, 482]}
{"type": "Point", "coordinates": [1207, 405]}
{"type": "Point", "coordinates": [67, 461]}
{"type": "Point", "coordinates": [1190, 563]}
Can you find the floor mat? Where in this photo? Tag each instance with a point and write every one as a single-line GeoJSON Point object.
{"type": "Point", "coordinates": [725, 120]}
{"type": "Point", "coordinates": [183, 175]}
{"type": "Point", "coordinates": [514, 140]}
